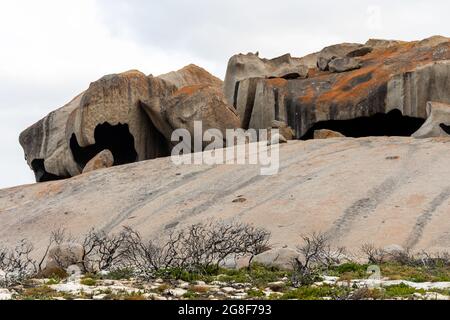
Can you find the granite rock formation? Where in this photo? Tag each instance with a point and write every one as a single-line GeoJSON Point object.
{"type": "Point", "coordinates": [200, 102]}
{"type": "Point", "coordinates": [387, 95]}
{"type": "Point", "coordinates": [122, 113]}
{"type": "Point", "coordinates": [380, 88]}
{"type": "Point", "coordinates": [368, 190]}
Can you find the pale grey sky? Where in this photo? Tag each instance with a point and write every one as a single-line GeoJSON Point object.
{"type": "Point", "coordinates": [52, 49]}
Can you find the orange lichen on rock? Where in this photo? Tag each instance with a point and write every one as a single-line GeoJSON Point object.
{"type": "Point", "coordinates": [277, 82]}
{"type": "Point", "coordinates": [308, 96]}
{"type": "Point", "coordinates": [344, 90]}
{"type": "Point", "coordinates": [313, 72]}
{"type": "Point", "coordinates": [378, 67]}
{"type": "Point", "coordinates": [189, 90]}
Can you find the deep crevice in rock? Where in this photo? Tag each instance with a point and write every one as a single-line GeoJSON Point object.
{"type": "Point", "coordinates": [392, 123]}
{"type": "Point", "coordinates": [445, 127]}
{"type": "Point", "coordinates": [41, 173]}
{"type": "Point", "coordinates": [117, 139]}
{"type": "Point", "coordinates": [236, 92]}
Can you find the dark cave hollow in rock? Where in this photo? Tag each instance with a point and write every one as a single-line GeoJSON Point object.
{"type": "Point", "coordinates": [116, 138]}
{"type": "Point", "coordinates": [41, 173]}
{"type": "Point", "coordinates": [393, 123]}
{"type": "Point", "coordinates": [445, 127]}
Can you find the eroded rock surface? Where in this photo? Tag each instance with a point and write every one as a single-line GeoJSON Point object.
{"type": "Point", "coordinates": [241, 67]}
{"type": "Point", "coordinates": [46, 149]}
{"type": "Point", "coordinates": [200, 103]}
{"type": "Point", "coordinates": [122, 113]}
{"type": "Point", "coordinates": [394, 76]}
{"type": "Point", "coordinates": [191, 75]}
{"type": "Point", "coordinates": [378, 190]}
{"type": "Point", "coordinates": [438, 122]}
{"type": "Point", "coordinates": [380, 88]}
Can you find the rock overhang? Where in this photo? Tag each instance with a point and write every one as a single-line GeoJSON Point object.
{"type": "Point", "coordinates": [122, 113]}
{"type": "Point", "coordinates": [390, 76]}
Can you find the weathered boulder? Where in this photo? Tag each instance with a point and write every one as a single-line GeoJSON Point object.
{"type": "Point", "coordinates": [335, 51]}
{"type": "Point", "coordinates": [120, 112]}
{"type": "Point", "coordinates": [438, 121]}
{"type": "Point", "coordinates": [343, 64]}
{"type": "Point", "coordinates": [327, 134]}
{"type": "Point", "coordinates": [284, 129]}
{"type": "Point", "coordinates": [110, 117]}
{"type": "Point", "coordinates": [134, 115]}
{"type": "Point", "coordinates": [241, 67]}
{"type": "Point", "coordinates": [191, 75]}
{"type": "Point", "coordinates": [104, 159]}
{"type": "Point", "coordinates": [281, 258]}
{"type": "Point", "coordinates": [276, 138]}
{"type": "Point", "coordinates": [395, 77]}
{"type": "Point", "coordinates": [199, 103]}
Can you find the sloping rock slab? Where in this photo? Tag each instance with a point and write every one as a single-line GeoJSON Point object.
{"type": "Point", "coordinates": [368, 190]}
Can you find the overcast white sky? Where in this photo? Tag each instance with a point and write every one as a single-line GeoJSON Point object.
{"type": "Point", "coordinates": [50, 50]}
